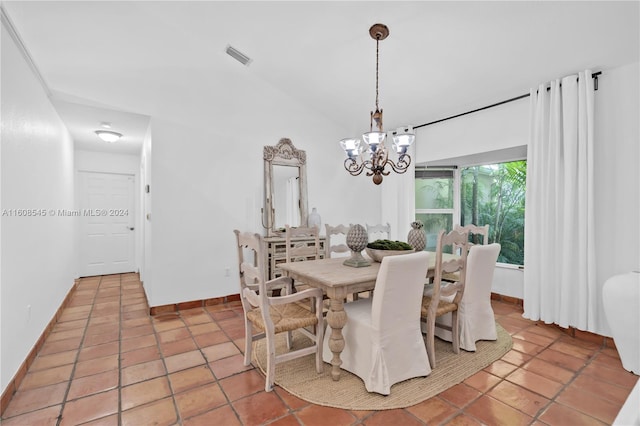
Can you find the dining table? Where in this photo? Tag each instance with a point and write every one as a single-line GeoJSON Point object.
{"type": "Point", "coordinates": [337, 281]}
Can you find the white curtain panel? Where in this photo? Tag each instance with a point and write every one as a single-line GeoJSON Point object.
{"type": "Point", "coordinates": [398, 207]}
{"type": "Point", "coordinates": [560, 276]}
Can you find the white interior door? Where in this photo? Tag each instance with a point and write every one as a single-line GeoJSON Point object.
{"type": "Point", "coordinates": [107, 233]}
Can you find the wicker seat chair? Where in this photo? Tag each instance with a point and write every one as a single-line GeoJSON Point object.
{"type": "Point", "coordinates": [272, 315]}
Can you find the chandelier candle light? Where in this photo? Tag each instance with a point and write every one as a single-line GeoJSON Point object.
{"type": "Point", "coordinates": [373, 141]}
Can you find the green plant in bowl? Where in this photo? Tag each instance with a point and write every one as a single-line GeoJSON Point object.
{"type": "Point", "coordinates": [381, 248]}
{"type": "Point", "coordinates": [389, 245]}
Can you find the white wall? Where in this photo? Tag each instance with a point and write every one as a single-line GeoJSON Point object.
{"type": "Point", "coordinates": [617, 175]}
{"type": "Point", "coordinates": [617, 154]}
{"type": "Point", "coordinates": [38, 253]}
{"type": "Point", "coordinates": [208, 180]}
{"type": "Point", "coordinates": [145, 209]}
{"type": "Point", "coordinates": [501, 127]}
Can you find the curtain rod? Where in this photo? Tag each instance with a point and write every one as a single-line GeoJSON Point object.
{"type": "Point", "coordinates": [526, 95]}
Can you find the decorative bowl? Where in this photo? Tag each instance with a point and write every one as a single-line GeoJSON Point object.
{"type": "Point", "coordinates": [377, 255]}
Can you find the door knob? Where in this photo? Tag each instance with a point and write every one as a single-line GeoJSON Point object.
{"type": "Point", "coordinates": [132, 228]}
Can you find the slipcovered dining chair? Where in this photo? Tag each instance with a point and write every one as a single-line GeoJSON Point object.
{"type": "Point", "coordinates": [336, 247]}
{"type": "Point", "coordinates": [272, 315]}
{"type": "Point", "coordinates": [383, 342]}
{"type": "Point", "coordinates": [444, 297]}
{"type": "Point", "coordinates": [379, 232]}
{"type": "Point", "coordinates": [476, 320]}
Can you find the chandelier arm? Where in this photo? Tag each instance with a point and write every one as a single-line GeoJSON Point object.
{"type": "Point", "coordinates": [403, 164]}
{"type": "Point", "coordinates": [354, 168]}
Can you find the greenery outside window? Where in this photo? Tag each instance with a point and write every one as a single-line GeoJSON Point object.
{"type": "Point", "coordinates": [494, 194]}
{"type": "Point", "coordinates": [490, 194]}
{"type": "Point", "coordinates": [436, 202]}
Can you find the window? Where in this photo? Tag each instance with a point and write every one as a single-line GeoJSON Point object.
{"type": "Point", "coordinates": [490, 194]}
{"type": "Point", "coordinates": [494, 194]}
{"type": "Point", "coordinates": [436, 196]}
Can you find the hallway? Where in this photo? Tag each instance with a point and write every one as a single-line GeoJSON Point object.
{"type": "Point", "coordinates": [107, 362]}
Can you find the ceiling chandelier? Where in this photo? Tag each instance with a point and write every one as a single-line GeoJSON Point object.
{"type": "Point", "coordinates": [372, 146]}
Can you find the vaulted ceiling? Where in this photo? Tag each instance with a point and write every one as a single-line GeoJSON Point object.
{"type": "Point", "coordinates": [118, 61]}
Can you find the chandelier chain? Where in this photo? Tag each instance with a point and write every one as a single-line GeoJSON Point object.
{"type": "Point", "coordinates": [377, 55]}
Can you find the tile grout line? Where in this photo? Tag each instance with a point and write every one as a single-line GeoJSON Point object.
{"type": "Point", "coordinates": [173, 395]}
{"type": "Point", "coordinates": [543, 409]}
{"type": "Point", "coordinates": [564, 386]}
{"type": "Point", "coordinates": [120, 314]}
{"type": "Point", "coordinates": [213, 373]}
{"type": "Point", "coordinates": [576, 374]}
{"type": "Point", "coordinates": [84, 335]}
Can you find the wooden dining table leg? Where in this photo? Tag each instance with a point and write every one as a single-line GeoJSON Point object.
{"type": "Point", "coordinates": [336, 318]}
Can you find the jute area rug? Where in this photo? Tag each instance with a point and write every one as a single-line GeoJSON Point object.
{"type": "Point", "coordinates": [299, 376]}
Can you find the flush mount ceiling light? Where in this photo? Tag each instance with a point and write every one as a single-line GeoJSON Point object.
{"type": "Point", "coordinates": [108, 135]}
{"type": "Point", "coordinates": [373, 141]}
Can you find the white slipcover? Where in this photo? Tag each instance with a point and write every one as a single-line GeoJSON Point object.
{"type": "Point", "coordinates": [621, 301]}
{"type": "Point", "coordinates": [475, 314]}
{"type": "Point", "coordinates": [383, 342]}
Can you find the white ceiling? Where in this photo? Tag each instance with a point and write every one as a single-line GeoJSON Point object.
{"type": "Point", "coordinates": [120, 61]}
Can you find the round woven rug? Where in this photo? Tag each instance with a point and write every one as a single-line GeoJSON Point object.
{"type": "Point", "coordinates": [299, 376]}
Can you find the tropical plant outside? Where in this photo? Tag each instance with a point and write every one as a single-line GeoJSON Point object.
{"type": "Point", "coordinates": [489, 194]}
{"type": "Point", "coordinates": [494, 194]}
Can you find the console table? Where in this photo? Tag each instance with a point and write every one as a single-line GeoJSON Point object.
{"type": "Point", "coordinates": [275, 253]}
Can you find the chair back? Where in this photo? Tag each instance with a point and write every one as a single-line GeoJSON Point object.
{"type": "Point", "coordinates": [475, 232]}
{"type": "Point", "coordinates": [481, 264]}
{"type": "Point", "coordinates": [332, 246]}
{"type": "Point", "coordinates": [251, 269]}
{"type": "Point", "coordinates": [454, 268]}
{"type": "Point", "coordinates": [302, 250]}
{"type": "Point", "coordinates": [397, 298]}
{"type": "Point", "coordinates": [379, 232]}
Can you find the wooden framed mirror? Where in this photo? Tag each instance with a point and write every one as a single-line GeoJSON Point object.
{"type": "Point", "coordinates": [285, 187]}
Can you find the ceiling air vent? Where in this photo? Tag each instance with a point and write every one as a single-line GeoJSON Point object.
{"type": "Point", "coordinates": [238, 56]}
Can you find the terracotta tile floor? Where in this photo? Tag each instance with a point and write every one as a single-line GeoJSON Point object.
{"type": "Point", "coordinates": [107, 362]}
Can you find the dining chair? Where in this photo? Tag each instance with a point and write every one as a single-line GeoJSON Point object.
{"type": "Point", "coordinates": [335, 249]}
{"type": "Point", "coordinates": [379, 232]}
{"type": "Point", "coordinates": [273, 315]}
{"type": "Point", "coordinates": [475, 231]}
{"type": "Point", "coordinates": [383, 343]}
{"type": "Point", "coordinates": [436, 303]}
{"type": "Point", "coordinates": [298, 251]}
{"type": "Point", "coordinates": [476, 320]}
{"type": "Point", "coordinates": [334, 233]}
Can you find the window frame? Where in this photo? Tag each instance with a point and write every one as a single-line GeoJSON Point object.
{"type": "Point", "coordinates": [457, 209]}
